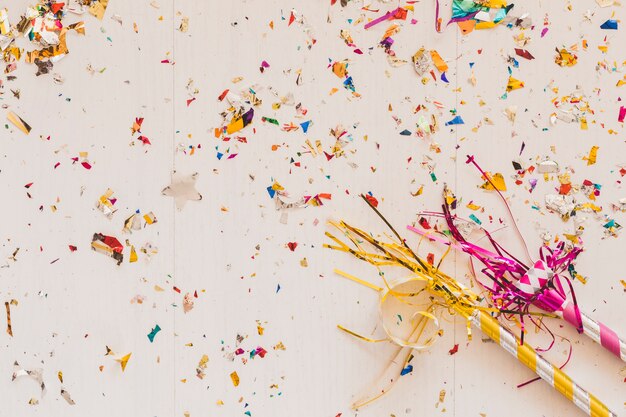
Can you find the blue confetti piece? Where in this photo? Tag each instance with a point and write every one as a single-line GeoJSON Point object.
{"type": "Point", "coordinates": [609, 24]}
{"type": "Point", "coordinates": [305, 126]}
{"type": "Point", "coordinates": [405, 132]}
{"type": "Point", "coordinates": [408, 369]}
{"type": "Point", "coordinates": [153, 333]}
{"type": "Point", "coordinates": [475, 219]}
{"type": "Point", "coordinates": [348, 84]}
{"type": "Point", "coordinates": [458, 120]}
{"type": "Point", "coordinates": [444, 78]}
{"type": "Point", "coordinates": [271, 191]}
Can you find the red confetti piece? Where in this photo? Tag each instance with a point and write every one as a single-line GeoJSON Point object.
{"type": "Point", "coordinates": [223, 95]}
{"type": "Point", "coordinates": [372, 200]}
{"type": "Point", "coordinates": [261, 352]}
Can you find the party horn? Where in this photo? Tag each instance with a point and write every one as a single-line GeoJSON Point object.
{"type": "Point", "coordinates": [452, 295]}
{"type": "Point", "coordinates": [515, 285]}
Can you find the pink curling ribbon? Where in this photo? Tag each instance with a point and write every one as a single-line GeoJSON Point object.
{"type": "Point", "coordinates": [514, 286]}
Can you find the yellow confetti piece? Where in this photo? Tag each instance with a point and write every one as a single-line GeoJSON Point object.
{"type": "Point", "coordinates": [60, 376]}
{"type": "Point", "coordinates": [124, 361]}
{"type": "Point", "coordinates": [565, 58]}
{"type": "Point", "coordinates": [449, 197]}
{"type": "Point", "coordinates": [235, 378]}
{"type": "Point", "coordinates": [623, 283]}
{"type": "Point", "coordinates": [235, 125]}
{"type": "Point", "coordinates": [473, 206]}
{"type": "Point", "coordinates": [98, 8]}
{"type": "Point", "coordinates": [418, 192]}
{"type": "Point", "coordinates": [133, 254]}
{"type": "Point", "coordinates": [572, 238]}
{"type": "Point", "coordinates": [593, 155]}
{"type": "Point", "coordinates": [150, 218]}
{"type": "Point", "coordinates": [514, 84]}
{"type": "Point", "coordinates": [18, 122]}
{"type": "Point", "coordinates": [498, 181]}
{"type": "Point", "coordinates": [277, 187]}
{"type": "Point", "coordinates": [5, 26]}
{"type": "Point", "coordinates": [590, 206]}
{"type": "Point", "coordinates": [442, 395]}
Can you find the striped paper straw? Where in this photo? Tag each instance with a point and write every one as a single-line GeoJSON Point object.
{"type": "Point", "coordinates": [544, 369]}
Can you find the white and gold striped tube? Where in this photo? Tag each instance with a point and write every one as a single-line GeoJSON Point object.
{"type": "Point", "coordinates": [544, 369]}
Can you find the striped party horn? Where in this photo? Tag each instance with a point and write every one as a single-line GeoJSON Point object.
{"type": "Point", "coordinates": [459, 298]}
{"type": "Point", "coordinates": [448, 293]}
{"type": "Point", "coordinates": [516, 286]}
